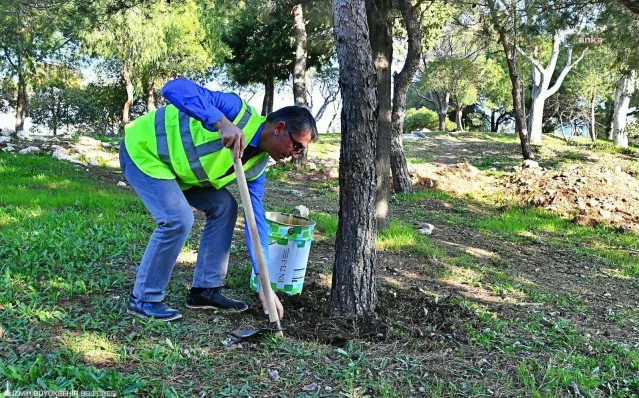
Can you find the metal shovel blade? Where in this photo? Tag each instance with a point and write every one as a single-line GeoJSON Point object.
{"type": "Point", "coordinates": [244, 334]}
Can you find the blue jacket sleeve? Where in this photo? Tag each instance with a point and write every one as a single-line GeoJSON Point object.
{"type": "Point", "coordinates": [200, 103]}
{"type": "Point", "coordinates": [256, 191]}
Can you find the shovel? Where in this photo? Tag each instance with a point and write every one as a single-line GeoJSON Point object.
{"type": "Point", "coordinates": [265, 281]}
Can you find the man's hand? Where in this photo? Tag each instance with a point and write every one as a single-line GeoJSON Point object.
{"type": "Point", "coordinates": [232, 136]}
{"type": "Point", "coordinates": [278, 305]}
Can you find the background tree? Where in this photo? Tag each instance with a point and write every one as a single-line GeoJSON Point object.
{"type": "Point", "coordinates": [52, 105]}
{"type": "Point", "coordinates": [495, 94]}
{"type": "Point", "coordinates": [261, 43]}
{"type": "Point", "coordinates": [353, 286]}
{"type": "Point", "coordinates": [541, 79]}
{"type": "Point", "coordinates": [378, 14]}
{"type": "Point", "coordinates": [30, 37]}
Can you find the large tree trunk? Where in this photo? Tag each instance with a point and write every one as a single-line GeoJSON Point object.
{"type": "Point", "coordinates": [401, 179]}
{"type": "Point", "coordinates": [299, 68]}
{"type": "Point", "coordinates": [126, 75]}
{"type": "Point", "coordinates": [625, 89]}
{"type": "Point", "coordinates": [380, 25]}
{"type": "Point", "coordinates": [22, 102]}
{"type": "Point", "coordinates": [610, 112]}
{"type": "Point", "coordinates": [269, 93]}
{"type": "Point", "coordinates": [353, 290]}
{"type": "Point", "coordinates": [536, 119]}
{"type": "Point", "coordinates": [541, 89]}
{"type": "Point", "coordinates": [520, 122]}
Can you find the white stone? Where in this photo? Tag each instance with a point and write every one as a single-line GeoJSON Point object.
{"type": "Point", "coordinates": [23, 135]}
{"type": "Point", "coordinates": [529, 164]}
{"type": "Point", "coordinates": [30, 150]}
{"type": "Point", "coordinates": [105, 145]}
{"type": "Point", "coordinates": [121, 184]}
{"type": "Point", "coordinates": [303, 210]}
{"type": "Point", "coordinates": [9, 148]}
{"type": "Point", "coordinates": [311, 166]}
{"type": "Point", "coordinates": [4, 139]}
{"type": "Point", "coordinates": [6, 131]}
{"type": "Point", "coordinates": [88, 141]}
{"type": "Point", "coordinates": [93, 162]}
{"type": "Point", "coordinates": [426, 229]}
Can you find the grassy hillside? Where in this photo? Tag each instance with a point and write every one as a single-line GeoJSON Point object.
{"type": "Point", "coordinates": [503, 299]}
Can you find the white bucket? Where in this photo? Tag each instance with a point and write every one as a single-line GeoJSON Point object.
{"type": "Point", "coordinates": [289, 239]}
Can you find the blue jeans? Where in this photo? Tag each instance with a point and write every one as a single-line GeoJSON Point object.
{"type": "Point", "coordinates": [171, 208]}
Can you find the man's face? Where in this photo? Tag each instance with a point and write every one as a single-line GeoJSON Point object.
{"type": "Point", "coordinates": [285, 143]}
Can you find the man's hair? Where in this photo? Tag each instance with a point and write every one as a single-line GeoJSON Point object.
{"type": "Point", "coordinates": [297, 118]}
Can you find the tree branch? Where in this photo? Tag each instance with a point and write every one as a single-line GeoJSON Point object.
{"type": "Point", "coordinates": [536, 63]}
{"type": "Point", "coordinates": [563, 74]}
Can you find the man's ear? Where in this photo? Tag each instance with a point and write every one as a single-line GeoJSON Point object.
{"type": "Point", "coordinates": [279, 128]}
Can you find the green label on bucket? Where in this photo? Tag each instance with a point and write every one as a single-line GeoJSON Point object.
{"type": "Point", "coordinates": [289, 247]}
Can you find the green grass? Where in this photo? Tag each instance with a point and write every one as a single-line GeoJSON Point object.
{"type": "Point", "coordinates": [67, 244]}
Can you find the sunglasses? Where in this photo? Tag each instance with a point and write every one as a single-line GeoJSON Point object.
{"type": "Point", "coordinates": [297, 147]}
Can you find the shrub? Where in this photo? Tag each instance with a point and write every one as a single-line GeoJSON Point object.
{"type": "Point", "coordinates": [424, 118]}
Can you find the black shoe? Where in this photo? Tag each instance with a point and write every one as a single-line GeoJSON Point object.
{"type": "Point", "coordinates": [146, 309]}
{"type": "Point", "coordinates": [207, 298]}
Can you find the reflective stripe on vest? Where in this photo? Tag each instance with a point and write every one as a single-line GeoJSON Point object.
{"type": "Point", "coordinates": [194, 153]}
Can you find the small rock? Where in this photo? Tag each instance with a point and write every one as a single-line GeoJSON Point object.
{"type": "Point", "coordinates": [30, 150]}
{"type": "Point", "coordinates": [273, 374]}
{"type": "Point", "coordinates": [6, 132]}
{"type": "Point", "coordinates": [4, 139]}
{"type": "Point", "coordinates": [88, 141]}
{"type": "Point", "coordinates": [607, 294]}
{"type": "Point", "coordinates": [328, 388]}
{"type": "Point", "coordinates": [93, 162]}
{"type": "Point", "coordinates": [303, 210]}
{"type": "Point", "coordinates": [491, 169]}
{"type": "Point", "coordinates": [585, 221]}
{"type": "Point", "coordinates": [311, 166]}
{"type": "Point", "coordinates": [333, 173]}
{"type": "Point", "coordinates": [426, 229]}
{"type": "Point", "coordinates": [105, 145]}
{"type": "Point", "coordinates": [310, 387]}
{"type": "Point", "coordinates": [22, 135]}
{"type": "Point", "coordinates": [9, 148]}
{"type": "Point", "coordinates": [121, 184]}
{"type": "Point", "coordinates": [529, 164]}
{"type": "Point", "coordinates": [605, 214]}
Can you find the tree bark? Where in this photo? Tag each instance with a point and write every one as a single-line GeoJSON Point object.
{"type": "Point", "coordinates": [625, 89]}
{"type": "Point", "coordinates": [401, 179]}
{"type": "Point", "coordinates": [593, 103]}
{"type": "Point", "coordinates": [378, 13]}
{"type": "Point", "coordinates": [150, 96]}
{"type": "Point", "coordinates": [458, 117]}
{"type": "Point", "coordinates": [353, 285]}
{"type": "Point", "coordinates": [22, 102]}
{"type": "Point", "coordinates": [126, 75]}
{"type": "Point", "coordinates": [299, 67]}
{"type": "Point", "coordinates": [610, 112]}
{"type": "Point", "coordinates": [269, 93]}
{"type": "Point", "coordinates": [493, 125]}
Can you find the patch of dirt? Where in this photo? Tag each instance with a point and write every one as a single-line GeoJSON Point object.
{"type": "Point", "coordinates": [588, 193]}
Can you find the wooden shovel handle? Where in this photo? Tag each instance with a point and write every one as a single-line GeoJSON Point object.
{"type": "Point", "coordinates": [265, 282]}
